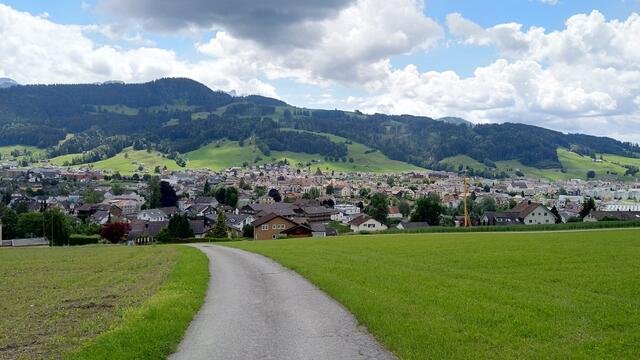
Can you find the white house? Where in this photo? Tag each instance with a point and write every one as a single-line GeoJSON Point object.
{"type": "Point", "coordinates": [153, 215]}
{"type": "Point", "coordinates": [532, 213]}
{"type": "Point", "coordinates": [366, 223]}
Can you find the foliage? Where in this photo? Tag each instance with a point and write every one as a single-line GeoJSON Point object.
{"type": "Point", "coordinates": [80, 239]}
{"type": "Point", "coordinates": [247, 231]}
{"type": "Point", "coordinates": [56, 227]}
{"type": "Point", "coordinates": [168, 197]}
{"type": "Point", "coordinates": [115, 232]}
{"type": "Point", "coordinates": [153, 193]}
{"type": "Point", "coordinates": [219, 231]}
{"type": "Point", "coordinates": [179, 227]}
{"type": "Point", "coordinates": [428, 208]}
{"type": "Point", "coordinates": [378, 207]}
{"type": "Point", "coordinates": [588, 205]}
{"type": "Point", "coordinates": [92, 196]}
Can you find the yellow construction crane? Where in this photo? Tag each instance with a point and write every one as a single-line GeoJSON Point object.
{"type": "Point", "coordinates": [467, 218]}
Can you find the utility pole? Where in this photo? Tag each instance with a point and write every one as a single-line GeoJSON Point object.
{"type": "Point", "coordinates": [467, 219]}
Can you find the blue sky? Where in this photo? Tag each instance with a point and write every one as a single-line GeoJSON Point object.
{"type": "Point", "coordinates": [433, 57]}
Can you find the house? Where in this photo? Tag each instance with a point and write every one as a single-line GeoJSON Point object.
{"type": "Point", "coordinates": [366, 223]}
{"type": "Point", "coordinates": [318, 213]}
{"type": "Point", "coordinates": [152, 215]}
{"type": "Point", "coordinates": [612, 215]}
{"type": "Point", "coordinates": [394, 213]}
{"type": "Point", "coordinates": [145, 232]}
{"type": "Point", "coordinates": [299, 231]}
{"type": "Point", "coordinates": [271, 226]}
{"type": "Point", "coordinates": [408, 225]}
{"type": "Point", "coordinates": [532, 213]}
{"type": "Point", "coordinates": [500, 218]}
{"type": "Point", "coordinates": [198, 228]}
{"type": "Point", "coordinates": [237, 222]}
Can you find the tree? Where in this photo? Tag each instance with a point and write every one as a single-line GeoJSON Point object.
{"type": "Point", "coordinates": [117, 189]}
{"type": "Point", "coordinates": [56, 227]}
{"type": "Point", "coordinates": [378, 207]}
{"type": "Point", "coordinates": [219, 231]}
{"type": "Point", "coordinates": [30, 224]}
{"type": "Point", "coordinates": [556, 214]}
{"type": "Point", "coordinates": [207, 188]}
{"type": "Point", "coordinates": [428, 208]}
{"type": "Point", "coordinates": [487, 204]}
{"type": "Point", "coordinates": [92, 196]}
{"type": "Point", "coordinates": [313, 193]}
{"type": "Point", "coordinates": [179, 227]}
{"type": "Point", "coordinates": [591, 174]}
{"type": "Point", "coordinates": [9, 220]}
{"type": "Point", "coordinates": [153, 195]}
{"type": "Point", "coordinates": [231, 196]}
{"type": "Point", "coordinates": [275, 195]}
{"type": "Point", "coordinates": [168, 197]}
{"type": "Point", "coordinates": [247, 231]}
{"type": "Point", "coordinates": [364, 193]}
{"type": "Point", "coordinates": [260, 191]}
{"type": "Point", "coordinates": [404, 207]}
{"type": "Point", "coordinates": [115, 232]}
{"type": "Point", "coordinates": [221, 195]}
{"type": "Point", "coordinates": [330, 189]}
{"type": "Point", "coordinates": [588, 206]}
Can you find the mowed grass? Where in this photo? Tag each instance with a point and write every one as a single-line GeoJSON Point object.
{"type": "Point", "coordinates": [433, 296]}
{"type": "Point", "coordinates": [95, 299]}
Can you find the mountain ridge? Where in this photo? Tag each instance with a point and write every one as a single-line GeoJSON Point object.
{"type": "Point", "coordinates": [178, 115]}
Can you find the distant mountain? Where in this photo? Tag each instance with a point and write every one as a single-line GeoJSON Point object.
{"type": "Point", "coordinates": [7, 83]}
{"type": "Point", "coordinates": [176, 116]}
{"type": "Point", "coordinates": [455, 121]}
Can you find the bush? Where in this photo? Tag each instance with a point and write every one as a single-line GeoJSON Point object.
{"type": "Point", "coordinates": [81, 239]}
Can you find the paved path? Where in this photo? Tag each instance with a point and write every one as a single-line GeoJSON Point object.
{"type": "Point", "coordinates": [256, 309]}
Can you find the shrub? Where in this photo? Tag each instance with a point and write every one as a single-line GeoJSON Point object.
{"type": "Point", "coordinates": [81, 239]}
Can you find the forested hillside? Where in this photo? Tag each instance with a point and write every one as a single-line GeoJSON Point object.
{"type": "Point", "coordinates": [176, 116]}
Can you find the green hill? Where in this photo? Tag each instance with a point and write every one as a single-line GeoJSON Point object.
{"type": "Point", "coordinates": [574, 166]}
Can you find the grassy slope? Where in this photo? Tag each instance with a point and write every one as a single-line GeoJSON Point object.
{"type": "Point", "coordinates": [230, 154]}
{"type": "Point", "coordinates": [576, 166]}
{"type": "Point", "coordinates": [125, 166]}
{"type": "Point", "coordinates": [5, 151]}
{"type": "Point", "coordinates": [53, 300]}
{"type": "Point", "coordinates": [538, 295]}
{"type": "Point", "coordinates": [154, 330]}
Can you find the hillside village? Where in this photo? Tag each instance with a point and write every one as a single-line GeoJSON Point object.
{"type": "Point", "coordinates": [277, 201]}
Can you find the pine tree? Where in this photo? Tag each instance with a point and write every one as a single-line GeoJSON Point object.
{"type": "Point", "coordinates": [220, 229]}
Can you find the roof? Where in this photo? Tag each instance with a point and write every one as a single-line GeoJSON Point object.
{"type": "Point", "coordinates": [146, 228]}
{"type": "Point", "coordinates": [363, 218]}
{"type": "Point", "coordinates": [197, 226]}
{"type": "Point", "coordinates": [265, 219]}
{"type": "Point", "coordinates": [29, 242]}
{"type": "Point", "coordinates": [414, 224]}
{"type": "Point", "coordinates": [282, 209]}
{"type": "Point", "coordinates": [525, 208]}
{"type": "Point", "coordinates": [394, 210]}
{"type": "Point", "coordinates": [620, 215]}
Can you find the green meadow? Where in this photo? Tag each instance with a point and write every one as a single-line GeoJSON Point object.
{"type": "Point", "coordinates": [98, 302]}
{"type": "Point", "coordinates": [551, 295]}
{"type": "Point", "coordinates": [575, 166]}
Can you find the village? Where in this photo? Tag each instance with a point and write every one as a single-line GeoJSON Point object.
{"type": "Point", "coordinates": [277, 201]}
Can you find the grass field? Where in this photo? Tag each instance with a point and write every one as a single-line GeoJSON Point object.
{"type": "Point", "coordinates": [575, 165]}
{"type": "Point", "coordinates": [230, 154]}
{"type": "Point", "coordinates": [433, 296]}
{"type": "Point", "coordinates": [126, 165]}
{"type": "Point", "coordinates": [98, 300]}
{"type": "Point", "coordinates": [36, 153]}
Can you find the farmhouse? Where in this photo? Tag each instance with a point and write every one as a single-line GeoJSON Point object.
{"type": "Point", "coordinates": [272, 226]}
{"type": "Point", "coordinates": [532, 213]}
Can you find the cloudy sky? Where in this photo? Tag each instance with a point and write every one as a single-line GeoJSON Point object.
{"type": "Point", "coordinates": [570, 65]}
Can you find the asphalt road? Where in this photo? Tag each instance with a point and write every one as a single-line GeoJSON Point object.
{"type": "Point", "coordinates": [256, 309]}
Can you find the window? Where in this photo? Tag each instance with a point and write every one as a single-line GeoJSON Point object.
{"type": "Point", "coordinates": [530, 221]}
{"type": "Point", "coordinates": [275, 226]}
{"type": "Point", "coordinates": [265, 227]}
{"type": "Point", "coordinates": [545, 214]}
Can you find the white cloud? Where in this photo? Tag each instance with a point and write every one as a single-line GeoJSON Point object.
{"type": "Point", "coordinates": [583, 78]}
{"type": "Point", "coordinates": [352, 48]}
{"type": "Point", "coordinates": [36, 50]}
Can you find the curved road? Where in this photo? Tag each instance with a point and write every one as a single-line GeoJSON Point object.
{"type": "Point", "coordinates": [256, 309]}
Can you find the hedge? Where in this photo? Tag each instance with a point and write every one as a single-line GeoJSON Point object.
{"type": "Point", "coordinates": [80, 239]}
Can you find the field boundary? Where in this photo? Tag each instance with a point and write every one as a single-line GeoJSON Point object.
{"type": "Point", "coordinates": [154, 330]}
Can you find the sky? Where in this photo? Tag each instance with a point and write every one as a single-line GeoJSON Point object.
{"type": "Point", "coordinates": [568, 65]}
